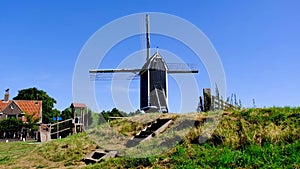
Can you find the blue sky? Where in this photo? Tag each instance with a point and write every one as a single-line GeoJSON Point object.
{"type": "Point", "coordinates": [257, 42]}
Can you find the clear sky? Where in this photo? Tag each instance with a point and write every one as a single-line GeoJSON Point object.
{"type": "Point", "coordinates": [257, 41]}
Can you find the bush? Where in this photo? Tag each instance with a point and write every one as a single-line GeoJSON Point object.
{"type": "Point", "coordinates": [10, 125]}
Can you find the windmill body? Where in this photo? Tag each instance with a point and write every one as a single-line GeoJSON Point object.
{"type": "Point", "coordinates": [153, 85]}
{"type": "Point", "coordinates": [153, 79]}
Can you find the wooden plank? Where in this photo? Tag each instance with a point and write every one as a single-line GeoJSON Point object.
{"type": "Point", "coordinates": [61, 130]}
{"type": "Point", "coordinates": [182, 71]}
{"type": "Point", "coordinates": [117, 117]}
{"type": "Point", "coordinates": [60, 122]}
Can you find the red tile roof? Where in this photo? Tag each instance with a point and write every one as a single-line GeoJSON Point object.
{"type": "Point", "coordinates": [29, 107]}
{"type": "Point", "coordinates": [4, 104]}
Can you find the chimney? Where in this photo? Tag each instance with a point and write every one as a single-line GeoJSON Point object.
{"type": "Point", "coordinates": [6, 95]}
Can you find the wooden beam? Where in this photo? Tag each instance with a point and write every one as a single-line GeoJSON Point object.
{"type": "Point", "coordinates": [114, 70]}
{"type": "Point", "coordinates": [61, 130]}
{"type": "Point", "coordinates": [59, 122]}
{"type": "Point", "coordinates": [182, 71]}
{"type": "Point", "coordinates": [207, 99]}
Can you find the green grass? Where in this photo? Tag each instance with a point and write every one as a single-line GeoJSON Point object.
{"type": "Point", "coordinates": [126, 127]}
{"type": "Point", "coordinates": [54, 154]}
{"type": "Point", "coordinates": [15, 150]}
{"type": "Point", "coordinates": [207, 156]}
{"type": "Point", "coordinates": [248, 138]}
{"type": "Point", "coordinates": [70, 150]}
{"type": "Point", "coordinates": [252, 156]}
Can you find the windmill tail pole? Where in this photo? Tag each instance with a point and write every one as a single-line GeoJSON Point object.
{"type": "Point", "coordinates": [148, 36]}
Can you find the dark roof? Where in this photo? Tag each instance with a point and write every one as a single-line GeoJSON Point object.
{"type": "Point", "coordinates": [78, 105]}
{"type": "Point", "coordinates": [155, 62]}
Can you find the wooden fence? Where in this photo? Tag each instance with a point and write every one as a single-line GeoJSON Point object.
{"type": "Point", "coordinates": [219, 104]}
{"type": "Point", "coordinates": [211, 102]}
{"type": "Point", "coordinates": [58, 128]}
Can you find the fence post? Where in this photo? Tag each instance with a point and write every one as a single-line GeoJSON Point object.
{"type": "Point", "coordinates": [57, 128]}
{"type": "Point", "coordinates": [207, 99]}
{"type": "Point", "coordinates": [201, 104]}
{"type": "Point", "coordinates": [213, 102]}
{"type": "Point", "coordinates": [222, 103]}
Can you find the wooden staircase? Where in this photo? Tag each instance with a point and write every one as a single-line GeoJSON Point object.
{"type": "Point", "coordinates": [150, 131]}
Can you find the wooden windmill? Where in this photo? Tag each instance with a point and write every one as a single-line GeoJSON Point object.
{"type": "Point", "coordinates": [153, 79]}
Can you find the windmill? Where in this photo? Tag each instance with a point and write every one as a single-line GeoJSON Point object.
{"type": "Point", "coordinates": [153, 78]}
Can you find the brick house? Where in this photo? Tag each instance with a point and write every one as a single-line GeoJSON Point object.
{"type": "Point", "coordinates": [18, 108]}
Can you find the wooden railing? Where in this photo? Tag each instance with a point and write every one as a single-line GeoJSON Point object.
{"type": "Point", "coordinates": [219, 104]}
{"type": "Point", "coordinates": [68, 126]}
{"type": "Point", "coordinates": [211, 102]}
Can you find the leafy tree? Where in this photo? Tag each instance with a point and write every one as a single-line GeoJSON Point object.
{"type": "Point", "coordinates": [31, 122]}
{"type": "Point", "coordinates": [35, 94]}
{"type": "Point", "coordinates": [55, 113]}
{"type": "Point", "coordinates": [105, 116]}
{"type": "Point", "coordinates": [135, 113]}
{"type": "Point", "coordinates": [113, 113]}
{"type": "Point", "coordinates": [67, 114]}
{"type": "Point", "coordinates": [117, 113]}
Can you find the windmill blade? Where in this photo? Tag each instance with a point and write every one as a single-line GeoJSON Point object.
{"type": "Point", "coordinates": [182, 68]}
{"type": "Point", "coordinates": [114, 71]}
{"type": "Point", "coordinates": [111, 76]}
{"type": "Point", "coordinates": [182, 71]}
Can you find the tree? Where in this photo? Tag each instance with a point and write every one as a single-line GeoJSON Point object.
{"type": "Point", "coordinates": [35, 94]}
{"type": "Point", "coordinates": [113, 113]}
{"type": "Point", "coordinates": [55, 113]}
{"type": "Point", "coordinates": [135, 113]}
{"type": "Point", "coordinates": [67, 114]}
{"type": "Point", "coordinates": [31, 122]}
{"type": "Point", "coordinates": [117, 113]}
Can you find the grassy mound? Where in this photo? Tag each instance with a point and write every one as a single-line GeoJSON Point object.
{"type": "Point", "coordinates": [248, 138]}
{"type": "Point", "coordinates": [69, 151]}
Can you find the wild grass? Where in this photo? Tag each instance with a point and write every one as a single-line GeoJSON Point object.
{"type": "Point", "coordinates": [248, 138]}
{"type": "Point", "coordinates": [15, 150]}
{"type": "Point", "coordinates": [62, 153]}
{"type": "Point", "coordinates": [69, 151]}
{"type": "Point", "coordinates": [126, 127]}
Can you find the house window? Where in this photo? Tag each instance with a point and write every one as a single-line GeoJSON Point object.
{"type": "Point", "coordinates": [12, 116]}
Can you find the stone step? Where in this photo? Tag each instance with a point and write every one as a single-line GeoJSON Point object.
{"type": "Point", "coordinates": [99, 155]}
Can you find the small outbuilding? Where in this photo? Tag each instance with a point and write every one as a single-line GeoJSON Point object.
{"type": "Point", "coordinates": [78, 111]}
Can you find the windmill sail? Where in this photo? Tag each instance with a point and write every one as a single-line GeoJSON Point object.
{"type": "Point", "coordinates": [182, 68]}
{"type": "Point", "coordinates": [153, 77]}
